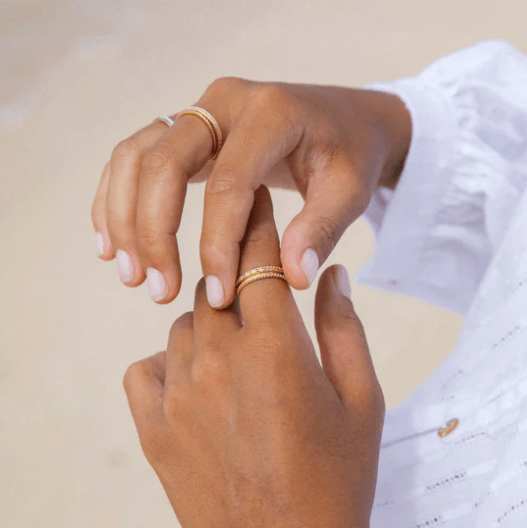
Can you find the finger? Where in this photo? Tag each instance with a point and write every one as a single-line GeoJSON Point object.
{"type": "Point", "coordinates": [211, 323]}
{"type": "Point", "coordinates": [343, 347]}
{"type": "Point", "coordinates": [121, 200]}
{"type": "Point", "coordinates": [144, 386]}
{"type": "Point", "coordinates": [165, 170]}
{"type": "Point", "coordinates": [266, 300]}
{"type": "Point", "coordinates": [179, 349]}
{"type": "Point", "coordinates": [332, 204]}
{"type": "Point", "coordinates": [254, 146]}
{"type": "Point", "coordinates": [105, 250]}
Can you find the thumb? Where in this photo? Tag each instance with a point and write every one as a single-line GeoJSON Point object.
{"type": "Point", "coordinates": [344, 350]}
{"type": "Point", "coordinates": [331, 206]}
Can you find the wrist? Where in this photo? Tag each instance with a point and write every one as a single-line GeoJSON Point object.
{"type": "Point", "coordinates": [396, 130]}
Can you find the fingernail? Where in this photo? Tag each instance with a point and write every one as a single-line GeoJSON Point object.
{"type": "Point", "coordinates": [309, 264]}
{"type": "Point", "coordinates": [124, 265]}
{"type": "Point", "coordinates": [343, 281]}
{"type": "Point", "coordinates": [156, 284]}
{"type": "Point", "coordinates": [100, 243]}
{"type": "Point", "coordinates": [214, 291]}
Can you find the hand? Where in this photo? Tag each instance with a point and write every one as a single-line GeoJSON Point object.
{"type": "Point", "coordinates": [240, 422]}
{"type": "Point", "coordinates": [333, 144]}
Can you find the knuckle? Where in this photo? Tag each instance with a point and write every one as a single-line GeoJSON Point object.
{"type": "Point", "coordinates": [212, 252]}
{"type": "Point", "coordinates": [126, 148]}
{"type": "Point", "coordinates": [183, 321]}
{"type": "Point", "coordinates": [133, 373]}
{"type": "Point", "coordinates": [157, 158]}
{"type": "Point", "coordinates": [282, 108]}
{"type": "Point", "coordinates": [226, 83]}
{"type": "Point", "coordinates": [147, 242]}
{"type": "Point", "coordinates": [225, 182]}
{"type": "Point", "coordinates": [119, 227]}
{"type": "Point", "coordinates": [270, 95]}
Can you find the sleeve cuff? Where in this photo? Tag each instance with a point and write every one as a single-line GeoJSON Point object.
{"type": "Point", "coordinates": [403, 219]}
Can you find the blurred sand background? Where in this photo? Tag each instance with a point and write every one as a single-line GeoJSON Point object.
{"type": "Point", "coordinates": [77, 77]}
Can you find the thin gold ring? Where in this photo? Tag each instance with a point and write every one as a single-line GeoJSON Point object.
{"type": "Point", "coordinates": [209, 126]}
{"type": "Point", "coordinates": [212, 125]}
{"type": "Point", "coordinates": [259, 277]}
{"type": "Point", "coordinates": [241, 278]}
{"type": "Point", "coordinates": [256, 274]}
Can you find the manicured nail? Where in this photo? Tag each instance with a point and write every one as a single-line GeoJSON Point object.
{"type": "Point", "coordinates": [214, 291]}
{"type": "Point", "coordinates": [100, 243]}
{"type": "Point", "coordinates": [343, 281]}
{"type": "Point", "coordinates": [124, 265]}
{"type": "Point", "coordinates": [156, 284]}
{"type": "Point", "coordinates": [309, 264]}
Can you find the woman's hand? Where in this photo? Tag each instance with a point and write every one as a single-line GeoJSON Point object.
{"type": "Point", "coordinates": [240, 422]}
{"type": "Point", "coordinates": [333, 144]}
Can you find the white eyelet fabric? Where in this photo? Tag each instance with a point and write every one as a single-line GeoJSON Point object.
{"type": "Point", "coordinates": [454, 233]}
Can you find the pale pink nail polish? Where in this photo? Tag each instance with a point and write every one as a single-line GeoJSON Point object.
{"type": "Point", "coordinates": [124, 265]}
{"type": "Point", "coordinates": [309, 264]}
{"type": "Point", "coordinates": [156, 284]}
{"type": "Point", "coordinates": [343, 281]}
{"type": "Point", "coordinates": [214, 291]}
{"type": "Point", "coordinates": [100, 243]}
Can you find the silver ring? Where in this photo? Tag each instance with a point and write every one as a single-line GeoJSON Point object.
{"type": "Point", "coordinates": [166, 120]}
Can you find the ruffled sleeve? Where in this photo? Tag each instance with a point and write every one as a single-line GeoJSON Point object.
{"type": "Point", "coordinates": [465, 172]}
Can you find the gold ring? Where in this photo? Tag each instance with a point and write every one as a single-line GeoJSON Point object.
{"type": "Point", "coordinates": [254, 271]}
{"type": "Point", "coordinates": [212, 125]}
{"type": "Point", "coordinates": [263, 272]}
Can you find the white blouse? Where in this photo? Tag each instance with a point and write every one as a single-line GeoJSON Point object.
{"type": "Point", "coordinates": [454, 233]}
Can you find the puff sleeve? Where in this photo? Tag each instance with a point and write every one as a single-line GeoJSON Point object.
{"type": "Point", "coordinates": [464, 174]}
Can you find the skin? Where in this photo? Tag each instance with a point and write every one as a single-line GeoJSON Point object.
{"type": "Point", "coordinates": [242, 424]}
{"type": "Point", "coordinates": [332, 144]}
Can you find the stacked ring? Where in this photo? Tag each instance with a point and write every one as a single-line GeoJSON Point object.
{"type": "Point", "coordinates": [212, 125]}
{"type": "Point", "coordinates": [263, 272]}
{"type": "Point", "coordinates": [254, 271]}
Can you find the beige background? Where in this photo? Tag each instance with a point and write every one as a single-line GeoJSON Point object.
{"type": "Point", "coordinates": [75, 78]}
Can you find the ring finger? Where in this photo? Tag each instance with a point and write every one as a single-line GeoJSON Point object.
{"type": "Point", "coordinates": [121, 200]}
